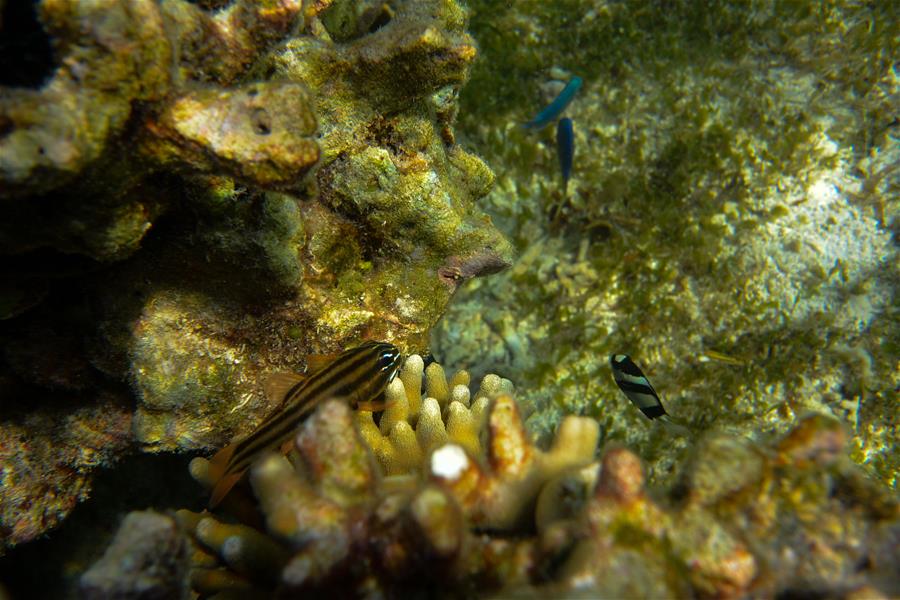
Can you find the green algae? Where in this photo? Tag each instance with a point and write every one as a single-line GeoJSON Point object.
{"type": "Point", "coordinates": [701, 215]}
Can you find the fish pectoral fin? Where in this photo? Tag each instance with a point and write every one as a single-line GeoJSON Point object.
{"type": "Point", "coordinates": [287, 446]}
{"type": "Point", "coordinates": [317, 362]}
{"type": "Point", "coordinates": [371, 406]}
{"type": "Point", "coordinates": [218, 463]}
{"type": "Point", "coordinates": [278, 385]}
{"type": "Point", "coordinates": [222, 487]}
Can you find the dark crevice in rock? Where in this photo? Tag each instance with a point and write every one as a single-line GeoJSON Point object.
{"type": "Point", "coordinates": [211, 4]}
{"type": "Point", "coordinates": [49, 568]}
{"type": "Point", "coordinates": [26, 53]}
{"type": "Point", "coordinates": [377, 19]}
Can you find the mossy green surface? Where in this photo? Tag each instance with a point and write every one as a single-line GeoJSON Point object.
{"type": "Point", "coordinates": [730, 220]}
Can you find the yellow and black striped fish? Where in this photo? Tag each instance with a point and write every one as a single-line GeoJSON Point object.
{"type": "Point", "coordinates": [359, 374]}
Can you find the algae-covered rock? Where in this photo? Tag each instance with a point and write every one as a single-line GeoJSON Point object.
{"type": "Point", "coordinates": [276, 189]}
{"type": "Point", "coordinates": [394, 205]}
{"type": "Point", "coordinates": [50, 446]}
{"type": "Point", "coordinates": [262, 133]}
{"type": "Point", "coordinates": [147, 560]}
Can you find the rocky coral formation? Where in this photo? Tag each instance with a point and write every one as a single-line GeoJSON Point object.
{"type": "Point", "coordinates": [731, 221]}
{"type": "Point", "coordinates": [59, 423]}
{"type": "Point", "coordinates": [147, 559]}
{"type": "Point", "coordinates": [283, 179]}
{"type": "Point", "coordinates": [742, 519]}
{"type": "Point", "coordinates": [47, 457]}
{"type": "Point", "coordinates": [436, 480]}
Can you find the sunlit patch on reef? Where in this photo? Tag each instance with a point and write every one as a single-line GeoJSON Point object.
{"type": "Point", "coordinates": [456, 489]}
{"type": "Point", "coordinates": [736, 194]}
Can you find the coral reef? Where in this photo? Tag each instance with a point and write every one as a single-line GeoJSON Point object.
{"type": "Point", "coordinates": [731, 220]}
{"type": "Point", "coordinates": [505, 516]}
{"type": "Point", "coordinates": [47, 457]}
{"type": "Point", "coordinates": [147, 559]}
{"type": "Point", "coordinates": [198, 193]}
{"type": "Point", "coordinates": [225, 188]}
{"type": "Point", "coordinates": [337, 509]}
{"type": "Point", "coordinates": [59, 423]}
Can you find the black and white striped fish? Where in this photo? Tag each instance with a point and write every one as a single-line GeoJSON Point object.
{"type": "Point", "coordinates": [359, 374]}
{"type": "Point", "coordinates": [635, 385]}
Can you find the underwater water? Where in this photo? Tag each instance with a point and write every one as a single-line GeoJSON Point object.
{"type": "Point", "coordinates": [632, 269]}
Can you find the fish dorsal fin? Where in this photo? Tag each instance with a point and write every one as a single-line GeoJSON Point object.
{"type": "Point", "coordinates": [317, 362]}
{"type": "Point", "coordinates": [278, 385]}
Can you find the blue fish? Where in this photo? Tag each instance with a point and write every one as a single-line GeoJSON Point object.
{"type": "Point", "coordinates": [555, 108]}
{"type": "Point", "coordinates": [565, 148]}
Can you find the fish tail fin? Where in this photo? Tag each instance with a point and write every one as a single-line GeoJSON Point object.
{"type": "Point", "coordinates": [218, 472]}
{"type": "Point", "coordinates": [674, 426]}
{"type": "Point", "coordinates": [218, 463]}
{"type": "Point", "coordinates": [222, 487]}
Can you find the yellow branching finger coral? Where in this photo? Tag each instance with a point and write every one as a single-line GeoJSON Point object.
{"type": "Point", "coordinates": [408, 488]}
{"type": "Point", "coordinates": [502, 472]}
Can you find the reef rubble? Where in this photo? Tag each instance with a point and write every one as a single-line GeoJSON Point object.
{"type": "Point", "coordinates": [506, 517]}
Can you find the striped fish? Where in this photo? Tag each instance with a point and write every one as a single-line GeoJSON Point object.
{"type": "Point", "coordinates": [634, 384]}
{"type": "Point", "coordinates": [359, 374]}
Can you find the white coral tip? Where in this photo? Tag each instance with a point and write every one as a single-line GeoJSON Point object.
{"type": "Point", "coordinates": [449, 462]}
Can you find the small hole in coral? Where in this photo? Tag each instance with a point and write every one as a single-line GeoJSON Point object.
{"type": "Point", "coordinates": [261, 124]}
{"type": "Point", "coordinates": [210, 4]}
{"type": "Point", "coordinates": [6, 126]}
{"type": "Point", "coordinates": [381, 18]}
